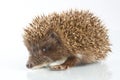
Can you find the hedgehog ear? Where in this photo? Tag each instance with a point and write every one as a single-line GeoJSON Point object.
{"type": "Point", "coordinates": [53, 35]}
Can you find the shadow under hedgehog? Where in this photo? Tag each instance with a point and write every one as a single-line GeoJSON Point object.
{"type": "Point", "coordinates": [77, 37]}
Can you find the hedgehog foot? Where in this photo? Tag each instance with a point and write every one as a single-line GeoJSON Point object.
{"type": "Point", "coordinates": [70, 62]}
{"type": "Point", "coordinates": [59, 67]}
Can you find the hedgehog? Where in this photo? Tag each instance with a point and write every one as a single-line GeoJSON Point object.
{"type": "Point", "coordinates": [74, 36]}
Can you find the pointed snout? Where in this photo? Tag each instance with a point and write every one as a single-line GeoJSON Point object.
{"type": "Point", "coordinates": [29, 65]}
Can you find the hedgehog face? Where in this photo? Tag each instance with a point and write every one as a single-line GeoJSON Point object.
{"type": "Point", "coordinates": [50, 49]}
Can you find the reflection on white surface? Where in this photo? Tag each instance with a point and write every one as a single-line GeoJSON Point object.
{"type": "Point", "coordinates": [97, 71]}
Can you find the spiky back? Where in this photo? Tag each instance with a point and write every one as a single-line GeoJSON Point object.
{"type": "Point", "coordinates": [80, 31]}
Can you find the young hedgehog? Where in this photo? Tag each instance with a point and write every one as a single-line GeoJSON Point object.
{"type": "Point", "coordinates": [77, 37]}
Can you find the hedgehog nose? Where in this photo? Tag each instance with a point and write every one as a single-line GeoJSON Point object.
{"type": "Point", "coordinates": [29, 65]}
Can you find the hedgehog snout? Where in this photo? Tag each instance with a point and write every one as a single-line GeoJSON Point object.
{"type": "Point", "coordinates": [29, 65]}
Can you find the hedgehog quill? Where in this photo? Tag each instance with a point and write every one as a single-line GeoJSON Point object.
{"type": "Point", "coordinates": [77, 37]}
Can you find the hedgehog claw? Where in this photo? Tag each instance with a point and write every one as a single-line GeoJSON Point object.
{"type": "Point", "coordinates": [59, 67]}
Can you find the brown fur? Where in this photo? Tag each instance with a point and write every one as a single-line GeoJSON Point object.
{"type": "Point", "coordinates": [66, 35]}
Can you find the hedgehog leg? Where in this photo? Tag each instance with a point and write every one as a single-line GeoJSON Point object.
{"type": "Point", "coordinates": [71, 61]}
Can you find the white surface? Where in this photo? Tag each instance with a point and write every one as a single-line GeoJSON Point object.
{"type": "Point", "coordinates": [16, 14]}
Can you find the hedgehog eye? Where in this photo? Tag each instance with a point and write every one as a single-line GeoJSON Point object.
{"type": "Point", "coordinates": [43, 49]}
{"type": "Point", "coordinates": [46, 48]}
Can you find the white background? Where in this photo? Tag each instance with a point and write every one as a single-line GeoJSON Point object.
{"type": "Point", "coordinates": [16, 14]}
